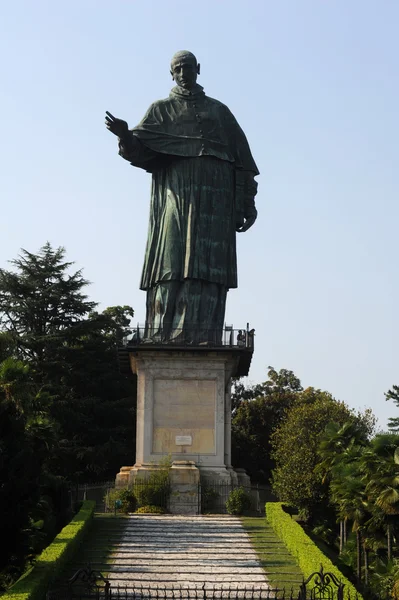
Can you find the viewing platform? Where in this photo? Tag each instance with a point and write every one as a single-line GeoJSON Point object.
{"type": "Point", "coordinates": [239, 342]}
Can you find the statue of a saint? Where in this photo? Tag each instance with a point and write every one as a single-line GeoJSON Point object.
{"type": "Point", "coordinates": [203, 191]}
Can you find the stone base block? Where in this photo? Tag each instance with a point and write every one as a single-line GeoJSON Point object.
{"type": "Point", "coordinates": [208, 475]}
{"type": "Point", "coordinates": [142, 472]}
{"type": "Point", "coordinates": [184, 496]}
{"type": "Point", "coordinates": [216, 475]}
{"type": "Point", "coordinates": [122, 478]}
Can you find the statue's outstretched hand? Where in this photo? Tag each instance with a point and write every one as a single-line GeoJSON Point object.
{"type": "Point", "coordinates": [250, 219]}
{"type": "Point", "coordinates": [116, 126]}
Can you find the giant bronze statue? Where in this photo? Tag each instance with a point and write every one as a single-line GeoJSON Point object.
{"type": "Point", "coordinates": [203, 191]}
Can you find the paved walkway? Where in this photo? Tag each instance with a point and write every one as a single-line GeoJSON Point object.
{"type": "Point", "coordinates": [174, 551]}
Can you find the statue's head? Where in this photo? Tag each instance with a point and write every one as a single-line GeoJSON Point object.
{"type": "Point", "coordinates": [184, 69]}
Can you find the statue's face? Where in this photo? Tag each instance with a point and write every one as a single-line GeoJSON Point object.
{"type": "Point", "coordinates": [185, 72]}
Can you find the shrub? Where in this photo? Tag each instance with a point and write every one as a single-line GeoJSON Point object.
{"type": "Point", "coordinates": [238, 501]}
{"type": "Point", "coordinates": [49, 564]}
{"type": "Point", "coordinates": [126, 498]}
{"type": "Point", "coordinates": [209, 498]}
{"type": "Point", "coordinates": [153, 491]}
{"type": "Point", "coordinates": [150, 508]}
{"type": "Point", "coordinates": [305, 551]}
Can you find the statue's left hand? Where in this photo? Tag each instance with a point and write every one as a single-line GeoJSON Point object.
{"type": "Point", "coordinates": [249, 221]}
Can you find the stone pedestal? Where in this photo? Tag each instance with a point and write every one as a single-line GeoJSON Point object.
{"type": "Point", "coordinates": [184, 412]}
{"type": "Point", "coordinates": [122, 478]}
{"type": "Point", "coordinates": [184, 481]}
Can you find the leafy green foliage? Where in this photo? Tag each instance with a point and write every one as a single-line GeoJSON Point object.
{"type": "Point", "coordinates": [153, 491]}
{"type": "Point", "coordinates": [393, 394]}
{"type": "Point", "coordinates": [384, 578]}
{"type": "Point", "coordinates": [19, 490]}
{"type": "Point", "coordinates": [52, 560]}
{"type": "Point", "coordinates": [49, 324]}
{"type": "Point", "coordinates": [66, 412]}
{"type": "Point", "coordinates": [296, 479]}
{"type": "Point", "coordinates": [307, 554]}
{"type": "Point", "coordinates": [257, 411]}
{"type": "Point", "coordinates": [238, 502]}
{"type": "Point", "coordinates": [209, 498]}
{"type": "Point", "coordinates": [122, 499]}
{"type": "Point", "coordinates": [33, 503]}
{"type": "Point", "coordinates": [363, 478]}
{"type": "Point", "coordinates": [151, 509]}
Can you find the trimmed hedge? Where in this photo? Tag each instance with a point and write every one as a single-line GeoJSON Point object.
{"type": "Point", "coordinates": [300, 545]}
{"type": "Point", "coordinates": [34, 584]}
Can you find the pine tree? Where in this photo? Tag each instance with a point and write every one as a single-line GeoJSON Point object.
{"type": "Point", "coordinates": [48, 321]}
{"type": "Point", "coordinates": [40, 300]}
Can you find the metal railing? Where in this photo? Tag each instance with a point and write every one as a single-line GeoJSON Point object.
{"type": "Point", "coordinates": [227, 337]}
{"type": "Point", "coordinates": [89, 584]}
{"type": "Point", "coordinates": [212, 495]}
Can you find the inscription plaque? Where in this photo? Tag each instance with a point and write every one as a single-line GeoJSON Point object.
{"type": "Point", "coordinates": [184, 440]}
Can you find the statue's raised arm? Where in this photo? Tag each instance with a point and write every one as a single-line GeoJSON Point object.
{"type": "Point", "coordinates": [116, 126]}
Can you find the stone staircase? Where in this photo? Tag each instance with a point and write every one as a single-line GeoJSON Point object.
{"type": "Point", "coordinates": [173, 551]}
{"type": "Point", "coordinates": [210, 552]}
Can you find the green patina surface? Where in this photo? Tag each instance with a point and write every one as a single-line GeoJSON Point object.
{"type": "Point", "coordinates": [203, 191]}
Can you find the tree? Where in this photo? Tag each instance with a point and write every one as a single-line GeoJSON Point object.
{"type": "Point", "coordinates": [95, 444]}
{"type": "Point", "coordinates": [295, 443]}
{"type": "Point", "coordinates": [393, 394]}
{"type": "Point", "coordinates": [347, 490]}
{"type": "Point", "coordinates": [340, 446]}
{"type": "Point", "coordinates": [19, 472]}
{"type": "Point", "coordinates": [380, 467]}
{"type": "Point", "coordinates": [66, 412]}
{"type": "Point", "coordinates": [48, 322]}
{"type": "Point", "coordinates": [42, 304]}
{"type": "Point", "coordinates": [257, 411]}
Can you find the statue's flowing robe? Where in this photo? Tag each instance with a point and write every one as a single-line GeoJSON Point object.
{"type": "Point", "coordinates": [202, 177]}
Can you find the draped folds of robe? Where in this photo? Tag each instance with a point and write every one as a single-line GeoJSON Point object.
{"type": "Point", "coordinates": [197, 154]}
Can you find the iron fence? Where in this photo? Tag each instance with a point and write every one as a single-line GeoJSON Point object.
{"type": "Point", "coordinates": [212, 495]}
{"type": "Point", "coordinates": [89, 584]}
{"type": "Point", "coordinates": [96, 491]}
{"type": "Point", "coordinates": [203, 592]}
{"type": "Point", "coordinates": [226, 337]}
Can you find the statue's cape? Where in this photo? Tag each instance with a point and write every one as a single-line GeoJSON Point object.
{"type": "Point", "coordinates": [190, 124]}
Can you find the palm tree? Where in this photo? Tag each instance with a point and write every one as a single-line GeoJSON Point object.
{"type": "Point", "coordinates": [380, 467]}
{"type": "Point", "coordinates": [348, 493]}
{"type": "Point", "coordinates": [340, 446]}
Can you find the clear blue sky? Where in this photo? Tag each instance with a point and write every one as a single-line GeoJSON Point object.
{"type": "Point", "coordinates": [314, 84]}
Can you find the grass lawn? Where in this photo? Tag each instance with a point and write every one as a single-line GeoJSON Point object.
{"type": "Point", "coordinates": [280, 566]}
